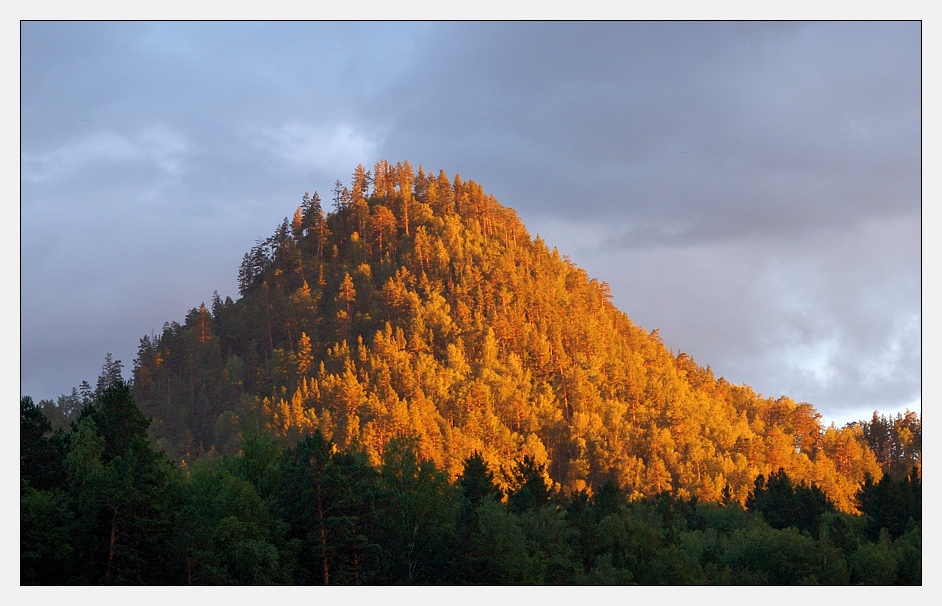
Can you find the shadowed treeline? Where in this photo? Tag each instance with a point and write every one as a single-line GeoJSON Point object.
{"type": "Point", "coordinates": [100, 505]}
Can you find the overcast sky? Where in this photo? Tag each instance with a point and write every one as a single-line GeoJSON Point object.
{"type": "Point", "coordinates": [752, 190]}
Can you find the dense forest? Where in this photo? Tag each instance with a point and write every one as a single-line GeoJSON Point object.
{"type": "Point", "coordinates": [411, 389]}
{"type": "Point", "coordinates": [100, 505]}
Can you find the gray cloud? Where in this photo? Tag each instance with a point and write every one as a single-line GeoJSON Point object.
{"type": "Point", "coordinates": [670, 118]}
{"type": "Point", "coordinates": [751, 189]}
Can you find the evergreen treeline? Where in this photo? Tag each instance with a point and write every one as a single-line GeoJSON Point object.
{"type": "Point", "coordinates": [99, 505]}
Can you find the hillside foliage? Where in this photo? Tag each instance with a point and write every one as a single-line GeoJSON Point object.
{"type": "Point", "coordinates": [420, 308]}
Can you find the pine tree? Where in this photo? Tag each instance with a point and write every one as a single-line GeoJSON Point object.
{"type": "Point", "coordinates": [110, 374]}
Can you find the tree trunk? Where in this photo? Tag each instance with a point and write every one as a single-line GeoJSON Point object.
{"type": "Point", "coordinates": [114, 523]}
{"type": "Point", "coordinates": [323, 533]}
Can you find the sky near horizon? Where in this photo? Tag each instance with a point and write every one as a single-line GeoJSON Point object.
{"type": "Point", "coordinates": [750, 189]}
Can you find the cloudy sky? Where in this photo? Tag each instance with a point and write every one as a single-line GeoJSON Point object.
{"type": "Point", "coordinates": [750, 189]}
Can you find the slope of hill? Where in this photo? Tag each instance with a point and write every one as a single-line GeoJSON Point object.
{"type": "Point", "coordinates": [422, 307]}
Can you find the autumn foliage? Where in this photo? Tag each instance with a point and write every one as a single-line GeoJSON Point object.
{"type": "Point", "coordinates": [420, 308]}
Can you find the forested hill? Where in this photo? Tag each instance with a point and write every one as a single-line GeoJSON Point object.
{"type": "Point", "coordinates": [419, 306]}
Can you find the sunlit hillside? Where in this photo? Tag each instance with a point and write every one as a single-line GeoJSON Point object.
{"type": "Point", "coordinates": [419, 306]}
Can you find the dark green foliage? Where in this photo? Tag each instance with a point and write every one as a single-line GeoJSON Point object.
{"type": "Point", "coordinates": [673, 565]}
{"type": "Point", "coordinates": [785, 505]}
{"type": "Point", "coordinates": [501, 555]}
{"type": "Point", "coordinates": [418, 528]}
{"type": "Point", "coordinates": [909, 556]}
{"type": "Point", "coordinates": [551, 540]}
{"type": "Point", "coordinates": [328, 500]}
{"type": "Point", "coordinates": [679, 515]}
{"type": "Point", "coordinates": [42, 452]}
{"type": "Point", "coordinates": [842, 531]}
{"type": "Point", "coordinates": [313, 514]}
{"type": "Point", "coordinates": [607, 499]}
{"type": "Point", "coordinates": [46, 549]}
{"type": "Point", "coordinates": [529, 488]}
{"type": "Point", "coordinates": [475, 562]}
{"type": "Point", "coordinates": [45, 514]}
{"type": "Point", "coordinates": [112, 519]}
{"type": "Point", "coordinates": [767, 556]}
{"type": "Point", "coordinates": [894, 505]}
{"type": "Point", "coordinates": [874, 564]}
{"type": "Point", "coordinates": [223, 531]}
{"type": "Point", "coordinates": [121, 423]}
{"type": "Point", "coordinates": [260, 463]}
{"type": "Point", "coordinates": [126, 495]}
{"type": "Point", "coordinates": [477, 481]}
